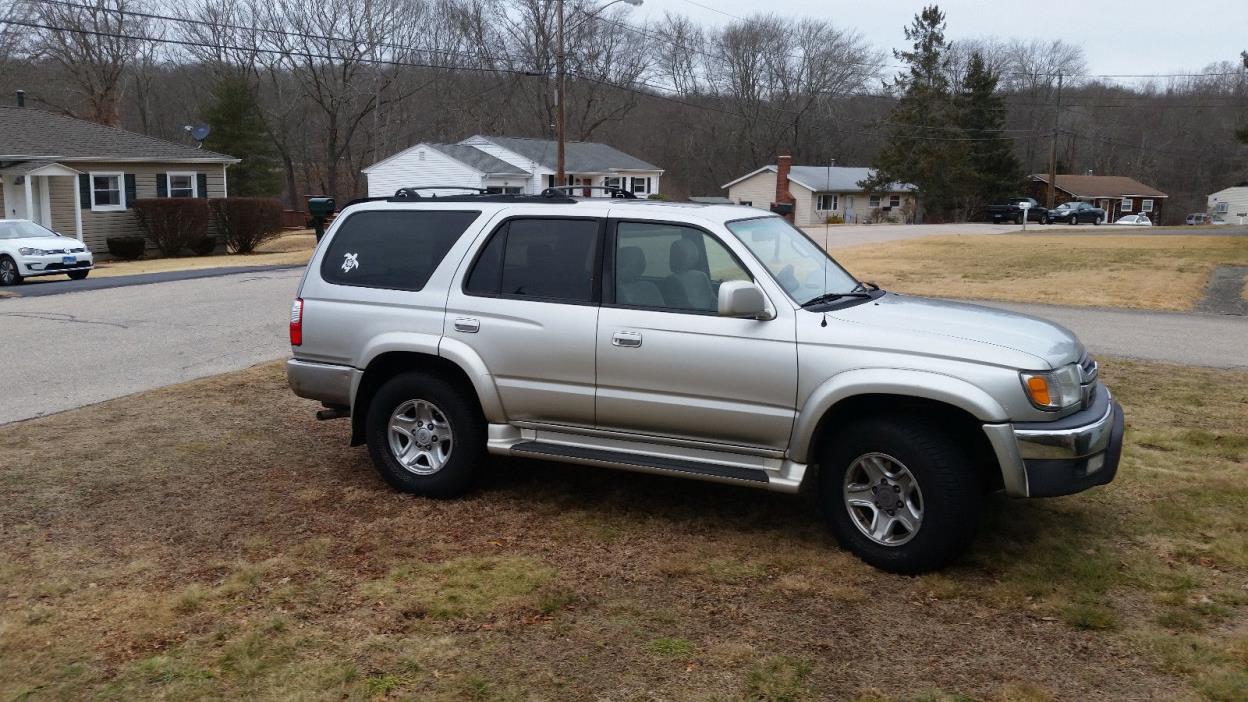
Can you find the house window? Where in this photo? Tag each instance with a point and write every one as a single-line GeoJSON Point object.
{"type": "Point", "coordinates": [612, 182]}
{"type": "Point", "coordinates": [1127, 204]}
{"type": "Point", "coordinates": [1222, 208]}
{"type": "Point", "coordinates": [640, 186]}
{"type": "Point", "coordinates": [894, 201]}
{"type": "Point", "coordinates": [107, 193]}
{"type": "Point", "coordinates": [747, 203]}
{"type": "Point", "coordinates": [828, 202]}
{"type": "Point", "coordinates": [182, 185]}
{"type": "Point", "coordinates": [1146, 205]}
{"type": "Point", "coordinates": [874, 201]}
{"type": "Point", "coordinates": [502, 190]}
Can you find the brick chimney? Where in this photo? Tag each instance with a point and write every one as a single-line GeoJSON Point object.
{"type": "Point", "coordinates": [783, 196]}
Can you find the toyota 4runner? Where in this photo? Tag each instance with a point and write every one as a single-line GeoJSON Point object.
{"type": "Point", "coordinates": [712, 342]}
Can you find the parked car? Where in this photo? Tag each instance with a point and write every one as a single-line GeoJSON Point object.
{"type": "Point", "coordinates": [1012, 211]}
{"type": "Point", "coordinates": [1135, 220]}
{"type": "Point", "coordinates": [1077, 213]}
{"type": "Point", "coordinates": [28, 249]}
{"type": "Point", "coordinates": [711, 342]}
{"type": "Point", "coordinates": [1197, 218]}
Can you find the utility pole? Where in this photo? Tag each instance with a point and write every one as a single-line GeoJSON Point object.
{"type": "Point", "coordinates": [1057, 124]}
{"type": "Point", "coordinates": [559, 89]}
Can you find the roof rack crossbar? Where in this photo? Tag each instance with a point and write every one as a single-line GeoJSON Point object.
{"type": "Point", "coordinates": [616, 193]}
{"type": "Point", "coordinates": [413, 193]}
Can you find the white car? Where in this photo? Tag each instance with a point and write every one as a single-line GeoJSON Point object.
{"type": "Point", "coordinates": [28, 249]}
{"type": "Point", "coordinates": [1136, 220]}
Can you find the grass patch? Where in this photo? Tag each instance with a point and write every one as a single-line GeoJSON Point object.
{"type": "Point", "coordinates": [1112, 270]}
{"type": "Point", "coordinates": [277, 565]}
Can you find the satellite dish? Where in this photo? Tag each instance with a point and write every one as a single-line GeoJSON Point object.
{"type": "Point", "coordinates": [201, 132]}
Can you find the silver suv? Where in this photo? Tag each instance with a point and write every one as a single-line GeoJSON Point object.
{"type": "Point", "coordinates": [711, 342]}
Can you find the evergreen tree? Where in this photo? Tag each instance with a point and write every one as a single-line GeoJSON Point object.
{"type": "Point", "coordinates": [993, 170]}
{"type": "Point", "coordinates": [238, 130]}
{"type": "Point", "coordinates": [923, 145]}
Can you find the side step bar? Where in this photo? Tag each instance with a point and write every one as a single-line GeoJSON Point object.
{"type": "Point", "coordinates": [626, 460]}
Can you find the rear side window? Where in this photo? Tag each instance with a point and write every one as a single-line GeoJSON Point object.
{"type": "Point", "coordinates": [395, 250]}
{"type": "Point", "coordinates": [547, 259]}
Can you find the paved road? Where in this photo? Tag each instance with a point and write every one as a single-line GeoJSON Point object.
{"type": "Point", "coordinates": [840, 236]}
{"type": "Point", "coordinates": [125, 340]}
{"type": "Point", "coordinates": [40, 287]}
{"type": "Point", "coordinates": [130, 339]}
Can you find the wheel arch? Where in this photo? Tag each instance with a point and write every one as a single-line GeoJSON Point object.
{"type": "Point", "coordinates": [387, 364]}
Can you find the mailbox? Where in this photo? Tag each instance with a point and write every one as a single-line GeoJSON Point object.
{"type": "Point", "coordinates": [319, 210]}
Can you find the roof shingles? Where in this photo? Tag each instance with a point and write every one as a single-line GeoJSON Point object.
{"type": "Point", "coordinates": [27, 134]}
{"type": "Point", "coordinates": [1101, 186]}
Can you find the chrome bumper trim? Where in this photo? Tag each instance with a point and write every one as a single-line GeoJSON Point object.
{"type": "Point", "coordinates": [1078, 442]}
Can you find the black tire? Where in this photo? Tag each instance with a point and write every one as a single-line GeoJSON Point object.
{"type": "Point", "coordinates": [1073, 219]}
{"type": "Point", "coordinates": [78, 275]}
{"type": "Point", "coordinates": [1044, 219]}
{"type": "Point", "coordinates": [951, 494]}
{"type": "Point", "coordinates": [8, 272]}
{"type": "Point", "coordinates": [467, 453]}
{"type": "Point", "coordinates": [1097, 221]}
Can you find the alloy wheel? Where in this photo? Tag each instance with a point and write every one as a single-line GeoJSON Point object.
{"type": "Point", "coordinates": [883, 499]}
{"type": "Point", "coordinates": [420, 437]}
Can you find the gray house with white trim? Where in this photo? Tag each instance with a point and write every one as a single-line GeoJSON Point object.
{"type": "Point", "coordinates": [81, 178]}
{"type": "Point", "coordinates": [512, 165]}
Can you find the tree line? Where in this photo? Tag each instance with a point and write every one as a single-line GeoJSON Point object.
{"type": "Point", "coordinates": [309, 92]}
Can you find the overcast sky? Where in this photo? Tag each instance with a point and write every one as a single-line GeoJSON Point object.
{"type": "Point", "coordinates": [1145, 36]}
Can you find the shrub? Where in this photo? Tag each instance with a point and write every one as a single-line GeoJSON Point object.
{"type": "Point", "coordinates": [172, 223]}
{"type": "Point", "coordinates": [834, 219]}
{"type": "Point", "coordinates": [657, 196]}
{"type": "Point", "coordinates": [127, 248]}
{"type": "Point", "coordinates": [247, 222]}
{"type": "Point", "coordinates": [204, 246]}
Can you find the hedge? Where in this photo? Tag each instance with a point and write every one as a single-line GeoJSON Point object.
{"type": "Point", "coordinates": [247, 222]}
{"type": "Point", "coordinates": [127, 248]}
{"type": "Point", "coordinates": [172, 223]}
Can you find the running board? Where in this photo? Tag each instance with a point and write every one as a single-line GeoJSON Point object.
{"type": "Point", "coordinates": [639, 461]}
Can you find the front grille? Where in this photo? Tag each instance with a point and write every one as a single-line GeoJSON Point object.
{"type": "Point", "coordinates": [1089, 373]}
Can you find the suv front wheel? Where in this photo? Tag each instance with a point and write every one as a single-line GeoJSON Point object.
{"type": "Point", "coordinates": [425, 436]}
{"type": "Point", "coordinates": [900, 494]}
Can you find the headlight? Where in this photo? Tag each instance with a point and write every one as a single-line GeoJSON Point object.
{"type": "Point", "coordinates": [1052, 390]}
{"type": "Point", "coordinates": [32, 252]}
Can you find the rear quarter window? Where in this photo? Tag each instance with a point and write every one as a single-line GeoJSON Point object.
{"type": "Point", "coordinates": [392, 249]}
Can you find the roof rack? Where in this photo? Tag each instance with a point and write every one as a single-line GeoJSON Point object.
{"type": "Point", "coordinates": [616, 193]}
{"type": "Point", "coordinates": [474, 194]}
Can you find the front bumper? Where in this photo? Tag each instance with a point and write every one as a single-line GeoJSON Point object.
{"type": "Point", "coordinates": [54, 264]}
{"type": "Point", "coordinates": [1062, 457]}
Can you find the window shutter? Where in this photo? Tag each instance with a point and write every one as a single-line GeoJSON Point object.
{"type": "Point", "coordinates": [648, 190]}
{"type": "Point", "coordinates": [84, 191]}
{"type": "Point", "coordinates": [201, 184]}
{"type": "Point", "coordinates": [162, 185]}
{"type": "Point", "coordinates": [131, 190]}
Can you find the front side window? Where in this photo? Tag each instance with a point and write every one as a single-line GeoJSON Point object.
{"type": "Point", "coordinates": [502, 190]}
{"type": "Point", "coordinates": [1222, 208]}
{"type": "Point", "coordinates": [106, 192]}
{"type": "Point", "coordinates": [394, 250]}
{"type": "Point", "coordinates": [827, 202]}
{"type": "Point", "coordinates": [612, 182]}
{"type": "Point", "coordinates": [799, 265]}
{"type": "Point", "coordinates": [547, 259]}
{"type": "Point", "coordinates": [875, 201]}
{"type": "Point", "coordinates": [671, 267]}
{"type": "Point", "coordinates": [640, 186]}
{"type": "Point", "coordinates": [182, 185]}
{"type": "Point", "coordinates": [1146, 206]}
{"type": "Point", "coordinates": [1127, 204]}
{"type": "Point", "coordinates": [894, 201]}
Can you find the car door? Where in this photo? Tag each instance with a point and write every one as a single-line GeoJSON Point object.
{"type": "Point", "coordinates": [528, 307]}
{"type": "Point", "coordinates": [668, 365]}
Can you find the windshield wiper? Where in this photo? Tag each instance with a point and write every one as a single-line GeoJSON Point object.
{"type": "Point", "coordinates": [865, 287]}
{"type": "Point", "coordinates": [833, 297]}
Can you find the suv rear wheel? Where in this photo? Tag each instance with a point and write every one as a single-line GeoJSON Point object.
{"type": "Point", "coordinates": [425, 436]}
{"type": "Point", "coordinates": [900, 494]}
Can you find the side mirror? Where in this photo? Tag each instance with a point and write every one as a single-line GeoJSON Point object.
{"type": "Point", "coordinates": [741, 298]}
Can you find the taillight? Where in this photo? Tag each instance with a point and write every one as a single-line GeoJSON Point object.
{"type": "Point", "coordinates": [296, 322]}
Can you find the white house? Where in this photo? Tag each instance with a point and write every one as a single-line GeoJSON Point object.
{"type": "Point", "coordinates": [1230, 204]}
{"type": "Point", "coordinates": [512, 165]}
{"type": "Point", "coordinates": [818, 192]}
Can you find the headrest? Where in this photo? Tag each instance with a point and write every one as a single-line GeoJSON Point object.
{"type": "Point", "coordinates": [682, 256]}
{"type": "Point", "coordinates": [631, 263]}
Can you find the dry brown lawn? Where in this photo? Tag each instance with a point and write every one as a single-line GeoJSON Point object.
{"type": "Point", "coordinates": [289, 249]}
{"type": "Point", "coordinates": [1112, 270]}
{"type": "Point", "coordinates": [212, 540]}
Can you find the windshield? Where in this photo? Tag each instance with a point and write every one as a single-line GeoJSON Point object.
{"type": "Point", "coordinates": [23, 230]}
{"type": "Point", "coordinates": [799, 265]}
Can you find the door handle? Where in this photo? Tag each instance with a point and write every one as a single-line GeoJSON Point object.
{"type": "Point", "coordinates": [468, 325]}
{"type": "Point", "coordinates": [628, 340]}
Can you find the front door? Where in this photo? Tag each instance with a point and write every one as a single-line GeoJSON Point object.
{"type": "Point", "coordinates": [668, 364]}
{"type": "Point", "coordinates": [529, 309]}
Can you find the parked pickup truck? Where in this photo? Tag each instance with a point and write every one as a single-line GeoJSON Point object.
{"type": "Point", "coordinates": [713, 342]}
{"type": "Point", "coordinates": [1012, 211]}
